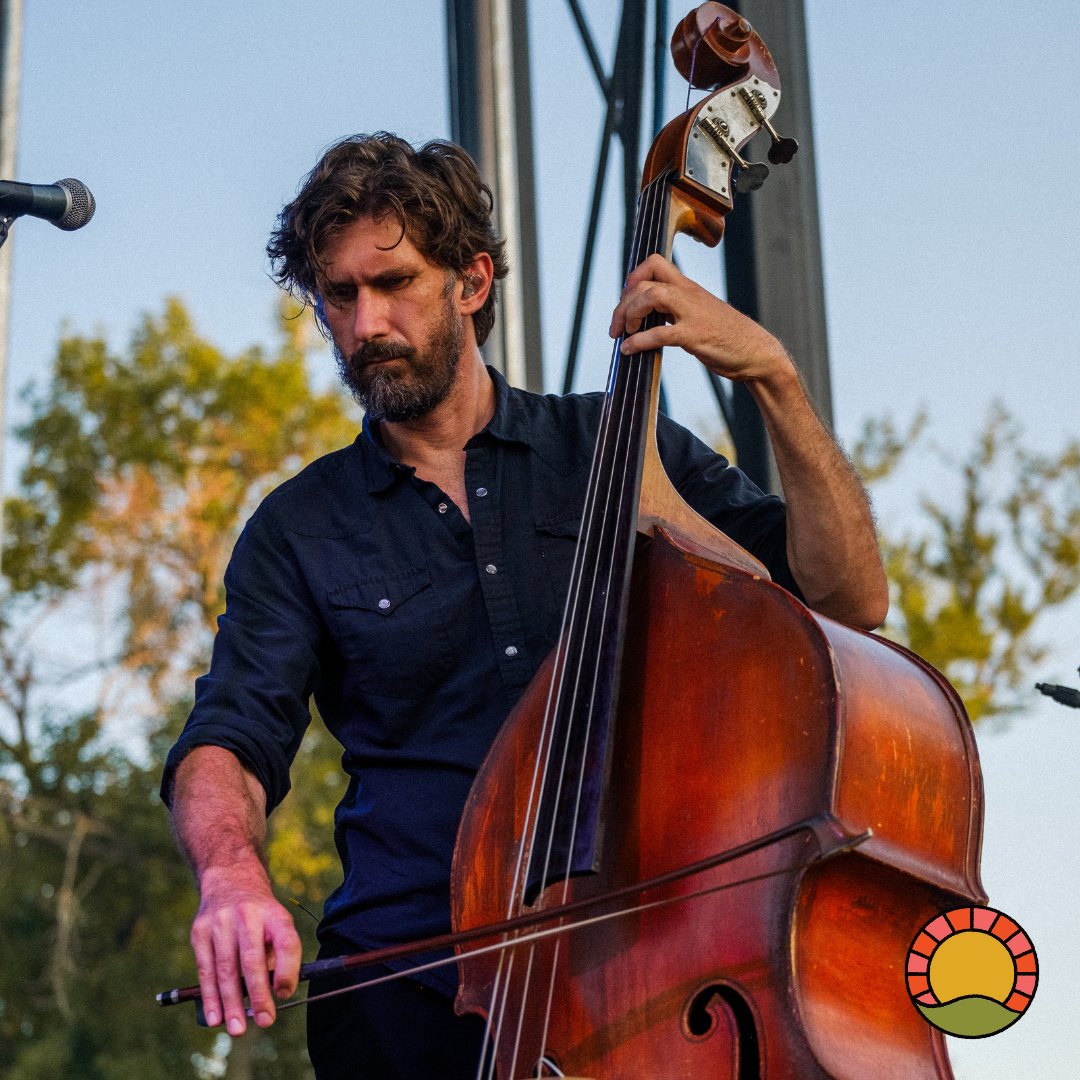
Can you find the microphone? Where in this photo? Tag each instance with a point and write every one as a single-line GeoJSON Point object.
{"type": "Point", "coordinates": [1063, 695]}
{"type": "Point", "coordinates": [68, 203]}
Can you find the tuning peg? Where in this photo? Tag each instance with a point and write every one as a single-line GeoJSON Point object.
{"type": "Point", "coordinates": [753, 173]}
{"type": "Point", "coordinates": [782, 150]}
{"type": "Point", "coordinates": [751, 176]}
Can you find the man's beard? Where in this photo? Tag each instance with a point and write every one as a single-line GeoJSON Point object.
{"type": "Point", "coordinates": [388, 396]}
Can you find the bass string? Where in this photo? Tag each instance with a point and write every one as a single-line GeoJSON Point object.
{"type": "Point", "coordinates": [591, 558]}
{"type": "Point", "coordinates": [693, 58]}
{"type": "Point", "coordinates": [600, 562]}
{"type": "Point", "coordinates": [559, 679]}
{"type": "Point", "coordinates": [631, 410]}
{"type": "Point", "coordinates": [574, 626]}
{"type": "Point", "coordinates": [648, 240]}
{"type": "Point", "coordinates": [569, 630]}
{"type": "Point", "coordinates": [564, 692]}
{"type": "Point", "coordinates": [571, 607]}
{"type": "Point", "coordinates": [586, 684]}
{"type": "Point", "coordinates": [632, 420]}
{"type": "Point", "coordinates": [628, 399]}
{"type": "Point", "coordinates": [622, 427]}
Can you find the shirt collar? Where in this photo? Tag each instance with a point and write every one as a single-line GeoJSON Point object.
{"type": "Point", "coordinates": [380, 468]}
{"type": "Point", "coordinates": [510, 422]}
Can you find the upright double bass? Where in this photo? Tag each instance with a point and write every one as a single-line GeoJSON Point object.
{"type": "Point", "coordinates": [716, 819]}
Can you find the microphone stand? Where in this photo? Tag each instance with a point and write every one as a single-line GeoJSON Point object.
{"type": "Point", "coordinates": [1063, 695]}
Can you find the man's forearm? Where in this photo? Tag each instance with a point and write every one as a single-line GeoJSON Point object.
{"type": "Point", "coordinates": [218, 812]}
{"type": "Point", "coordinates": [832, 542]}
{"type": "Point", "coordinates": [240, 931]}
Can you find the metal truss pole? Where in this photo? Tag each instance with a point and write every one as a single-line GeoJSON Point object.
{"type": "Point", "coordinates": [623, 94]}
{"type": "Point", "coordinates": [772, 248]}
{"type": "Point", "coordinates": [491, 116]}
{"type": "Point", "coordinates": [772, 243]}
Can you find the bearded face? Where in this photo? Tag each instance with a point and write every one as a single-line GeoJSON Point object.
{"type": "Point", "coordinates": [394, 381]}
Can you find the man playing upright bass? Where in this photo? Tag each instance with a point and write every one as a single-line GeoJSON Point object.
{"type": "Point", "coordinates": [412, 582]}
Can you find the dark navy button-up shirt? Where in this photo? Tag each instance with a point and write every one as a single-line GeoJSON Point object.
{"type": "Point", "coordinates": [362, 585]}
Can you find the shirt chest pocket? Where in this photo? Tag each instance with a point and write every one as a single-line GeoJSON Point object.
{"type": "Point", "coordinates": [558, 544]}
{"type": "Point", "coordinates": [392, 632]}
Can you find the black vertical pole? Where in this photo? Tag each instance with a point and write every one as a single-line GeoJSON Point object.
{"type": "Point", "coordinates": [747, 428]}
{"type": "Point", "coordinates": [772, 243]}
{"type": "Point", "coordinates": [628, 84]}
{"type": "Point", "coordinates": [461, 54]}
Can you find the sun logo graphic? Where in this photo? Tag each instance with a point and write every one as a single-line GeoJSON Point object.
{"type": "Point", "coordinates": [972, 972]}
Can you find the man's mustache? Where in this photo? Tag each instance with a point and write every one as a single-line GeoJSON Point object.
{"type": "Point", "coordinates": [372, 351]}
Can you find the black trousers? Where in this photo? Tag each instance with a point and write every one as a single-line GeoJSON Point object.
{"type": "Point", "coordinates": [398, 1030]}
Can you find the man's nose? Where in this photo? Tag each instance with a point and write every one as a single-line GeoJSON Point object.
{"type": "Point", "coordinates": [370, 320]}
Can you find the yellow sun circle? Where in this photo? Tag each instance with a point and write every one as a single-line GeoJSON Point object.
{"type": "Point", "coordinates": [971, 962]}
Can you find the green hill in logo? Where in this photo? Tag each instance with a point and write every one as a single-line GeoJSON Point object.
{"type": "Point", "coordinates": [972, 1017]}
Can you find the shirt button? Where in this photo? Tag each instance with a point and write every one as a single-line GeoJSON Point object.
{"type": "Point", "coordinates": [511, 650]}
{"type": "Point", "coordinates": [442, 508]}
{"type": "Point", "coordinates": [481, 492]}
{"type": "Point", "coordinates": [384, 604]}
{"type": "Point", "coordinates": [491, 568]}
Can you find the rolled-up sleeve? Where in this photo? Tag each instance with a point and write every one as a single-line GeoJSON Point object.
{"type": "Point", "coordinates": [254, 699]}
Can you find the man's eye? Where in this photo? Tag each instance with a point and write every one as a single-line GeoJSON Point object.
{"type": "Point", "coordinates": [339, 296]}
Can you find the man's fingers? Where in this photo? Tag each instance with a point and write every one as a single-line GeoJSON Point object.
{"type": "Point", "coordinates": [227, 969]}
{"type": "Point", "coordinates": [651, 286]}
{"type": "Point", "coordinates": [654, 268]}
{"type": "Point", "coordinates": [638, 304]}
{"type": "Point", "coordinates": [656, 337]}
{"type": "Point", "coordinates": [236, 939]}
{"type": "Point", "coordinates": [252, 946]}
{"type": "Point", "coordinates": [203, 945]}
{"type": "Point", "coordinates": [287, 952]}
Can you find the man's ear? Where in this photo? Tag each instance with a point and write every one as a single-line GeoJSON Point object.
{"type": "Point", "coordinates": [475, 284]}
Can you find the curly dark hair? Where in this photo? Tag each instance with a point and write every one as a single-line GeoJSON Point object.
{"type": "Point", "coordinates": [435, 193]}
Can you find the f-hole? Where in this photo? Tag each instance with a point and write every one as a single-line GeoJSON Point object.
{"type": "Point", "coordinates": [717, 1006]}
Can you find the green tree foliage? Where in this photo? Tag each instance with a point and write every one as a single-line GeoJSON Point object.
{"type": "Point", "coordinates": [976, 571]}
{"type": "Point", "coordinates": [141, 468]}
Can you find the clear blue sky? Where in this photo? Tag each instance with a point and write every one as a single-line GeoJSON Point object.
{"type": "Point", "coordinates": [947, 157]}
